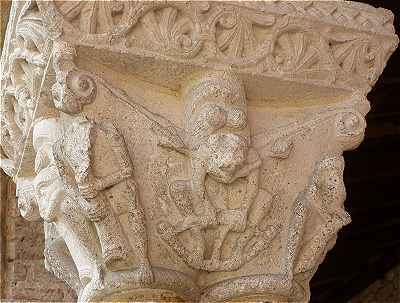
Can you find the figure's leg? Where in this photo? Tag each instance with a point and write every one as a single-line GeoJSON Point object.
{"type": "Point", "coordinates": [254, 239]}
{"type": "Point", "coordinates": [181, 194]}
{"type": "Point", "coordinates": [237, 259]}
{"type": "Point", "coordinates": [59, 261]}
{"type": "Point", "coordinates": [198, 238]}
{"type": "Point", "coordinates": [115, 249]}
{"type": "Point", "coordinates": [136, 219]}
{"type": "Point", "coordinates": [259, 209]}
{"type": "Point", "coordinates": [222, 231]}
{"type": "Point", "coordinates": [203, 208]}
{"type": "Point", "coordinates": [79, 236]}
{"type": "Point", "coordinates": [169, 235]}
{"type": "Point", "coordinates": [295, 232]}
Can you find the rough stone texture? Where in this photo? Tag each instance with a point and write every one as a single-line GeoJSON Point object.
{"type": "Point", "coordinates": [184, 150]}
{"type": "Point", "coordinates": [385, 290]}
{"type": "Point", "coordinates": [4, 13]}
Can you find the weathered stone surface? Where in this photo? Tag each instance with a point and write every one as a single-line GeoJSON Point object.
{"type": "Point", "coordinates": [187, 151]}
{"type": "Point", "coordinates": [24, 276]}
{"type": "Point", "coordinates": [4, 13]}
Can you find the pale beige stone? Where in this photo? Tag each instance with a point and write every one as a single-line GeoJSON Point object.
{"type": "Point", "coordinates": [187, 151]}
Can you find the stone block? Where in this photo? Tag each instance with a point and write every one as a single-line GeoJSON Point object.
{"type": "Point", "coordinates": [183, 151]}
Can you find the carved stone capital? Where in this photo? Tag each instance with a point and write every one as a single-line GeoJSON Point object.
{"type": "Point", "coordinates": [187, 150]}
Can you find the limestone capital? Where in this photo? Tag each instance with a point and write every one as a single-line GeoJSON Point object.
{"type": "Point", "coordinates": [187, 150]}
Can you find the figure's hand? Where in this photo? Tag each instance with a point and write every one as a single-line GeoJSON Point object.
{"type": "Point", "coordinates": [89, 190]}
{"type": "Point", "coordinates": [94, 209]}
{"type": "Point", "coordinates": [96, 212]}
{"type": "Point", "coordinates": [55, 197]}
{"type": "Point", "coordinates": [126, 173]}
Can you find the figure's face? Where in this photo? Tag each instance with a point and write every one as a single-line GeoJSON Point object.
{"type": "Point", "coordinates": [332, 189]}
{"type": "Point", "coordinates": [64, 98]}
{"type": "Point", "coordinates": [47, 184]}
{"type": "Point", "coordinates": [73, 88]}
{"type": "Point", "coordinates": [227, 153]}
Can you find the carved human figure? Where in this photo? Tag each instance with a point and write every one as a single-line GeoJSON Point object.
{"type": "Point", "coordinates": [216, 113]}
{"type": "Point", "coordinates": [82, 152]}
{"type": "Point", "coordinates": [65, 224]}
{"type": "Point", "coordinates": [217, 142]}
{"type": "Point", "coordinates": [58, 259]}
{"type": "Point", "coordinates": [217, 135]}
{"type": "Point", "coordinates": [10, 135]}
{"type": "Point", "coordinates": [25, 107]}
{"type": "Point", "coordinates": [322, 200]}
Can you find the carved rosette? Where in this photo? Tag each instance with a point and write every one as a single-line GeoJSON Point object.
{"type": "Point", "coordinates": [187, 151]}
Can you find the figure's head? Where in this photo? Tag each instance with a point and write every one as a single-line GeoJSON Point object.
{"type": "Point", "coordinates": [227, 152]}
{"type": "Point", "coordinates": [10, 133]}
{"type": "Point", "coordinates": [73, 89]}
{"type": "Point", "coordinates": [350, 129]}
{"type": "Point", "coordinates": [328, 179]}
{"type": "Point", "coordinates": [220, 88]}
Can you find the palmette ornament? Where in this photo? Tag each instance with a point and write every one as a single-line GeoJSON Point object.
{"type": "Point", "coordinates": [187, 151]}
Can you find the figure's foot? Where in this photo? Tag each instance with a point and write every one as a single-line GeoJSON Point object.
{"type": "Point", "coordinates": [97, 281]}
{"type": "Point", "coordinates": [116, 258]}
{"type": "Point", "coordinates": [145, 273]}
{"type": "Point", "coordinates": [118, 264]}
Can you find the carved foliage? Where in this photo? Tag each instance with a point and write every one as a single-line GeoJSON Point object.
{"type": "Point", "coordinates": [172, 31]}
{"type": "Point", "coordinates": [94, 17]}
{"type": "Point", "coordinates": [213, 210]}
{"type": "Point", "coordinates": [269, 37]}
{"type": "Point", "coordinates": [21, 81]}
{"type": "Point", "coordinates": [357, 55]}
{"type": "Point", "coordinates": [238, 33]}
{"type": "Point", "coordinates": [295, 50]}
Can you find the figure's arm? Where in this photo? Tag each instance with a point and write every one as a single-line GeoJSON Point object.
{"type": "Point", "coordinates": [199, 173]}
{"type": "Point", "coordinates": [311, 252]}
{"type": "Point", "coordinates": [121, 153]}
{"type": "Point", "coordinates": [296, 232]}
{"type": "Point", "coordinates": [49, 203]}
{"type": "Point", "coordinates": [251, 171]}
{"type": "Point", "coordinates": [252, 190]}
{"type": "Point", "coordinates": [170, 137]}
{"type": "Point", "coordinates": [252, 165]}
